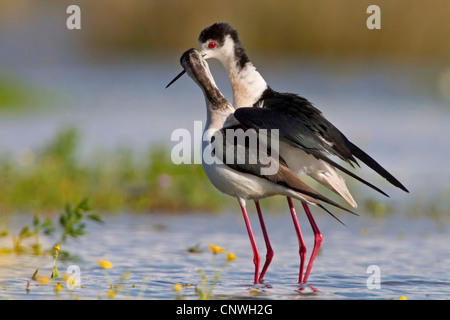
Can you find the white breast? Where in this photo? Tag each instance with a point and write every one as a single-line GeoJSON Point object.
{"type": "Point", "coordinates": [238, 184]}
{"type": "Point", "coordinates": [248, 85]}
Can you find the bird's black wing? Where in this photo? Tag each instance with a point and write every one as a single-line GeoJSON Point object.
{"type": "Point", "coordinates": [293, 132]}
{"type": "Point", "coordinates": [303, 111]}
{"type": "Point", "coordinates": [243, 156]}
{"type": "Point", "coordinates": [310, 124]}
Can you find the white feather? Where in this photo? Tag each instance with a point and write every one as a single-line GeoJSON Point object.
{"type": "Point", "coordinates": [305, 164]}
{"type": "Point", "coordinates": [245, 186]}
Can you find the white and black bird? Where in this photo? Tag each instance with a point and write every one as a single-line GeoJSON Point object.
{"type": "Point", "coordinates": [243, 179]}
{"type": "Point", "coordinates": [307, 137]}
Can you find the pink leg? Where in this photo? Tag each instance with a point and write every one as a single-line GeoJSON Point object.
{"type": "Point", "coordinates": [301, 243]}
{"type": "Point", "coordinates": [317, 241]}
{"type": "Point", "coordinates": [256, 258]}
{"type": "Point", "coordinates": [269, 254]}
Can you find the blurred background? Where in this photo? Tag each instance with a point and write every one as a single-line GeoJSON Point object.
{"type": "Point", "coordinates": [85, 113]}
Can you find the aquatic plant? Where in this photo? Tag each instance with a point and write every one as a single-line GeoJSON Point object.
{"type": "Point", "coordinates": [207, 286]}
{"type": "Point", "coordinates": [55, 273]}
{"type": "Point", "coordinates": [71, 220]}
{"type": "Point", "coordinates": [72, 223]}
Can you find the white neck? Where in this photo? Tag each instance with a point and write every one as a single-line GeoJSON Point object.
{"type": "Point", "coordinates": [247, 83]}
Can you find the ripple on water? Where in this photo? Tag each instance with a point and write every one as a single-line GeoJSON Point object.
{"type": "Point", "coordinates": [148, 261]}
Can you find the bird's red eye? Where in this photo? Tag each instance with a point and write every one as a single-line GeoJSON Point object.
{"type": "Point", "coordinates": [212, 45]}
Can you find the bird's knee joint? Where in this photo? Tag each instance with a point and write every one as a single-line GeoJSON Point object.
{"type": "Point", "coordinates": [318, 238]}
{"type": "Point", "coordinates": [302, 251]}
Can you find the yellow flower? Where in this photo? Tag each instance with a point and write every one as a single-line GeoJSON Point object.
{"type": "Point", "coordinates": [111, 294]}
{"type": "Point", "coordinates": [59, 286]}
{"type": "Point", "coordinates": [57, 247]}
{"type": "Point", "coordinates": [43, 280]}
{"type": "Point", "coordinates": [403, 298]}
{"type": "Point", "coordinates": [177, 287]}
{"type": "Point", "coordinates": [216, 249]}
{"type": "Point", "coordinates": [230, 257]}
{"type": "Point", "coordinates": [105, 264]}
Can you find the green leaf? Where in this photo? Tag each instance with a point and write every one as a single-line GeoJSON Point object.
{"type": "Point", "coordinates": [63, 220]}
{"type": "Point", "coordinates": [95, 217]}
{"type": "Point", "coordinates": [84, 205]}
{"type": "Point", "coordinates": [25, 232]}
{"type": "Point", "coordinates": [55, 273]}
{"type": "Point", "coordinates": [35, 221]}
{"type": "Point", "coordinates": [47, 223]}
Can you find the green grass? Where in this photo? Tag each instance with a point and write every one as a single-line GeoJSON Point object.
{"type": "Point", "coordinates": [19, 96]}
{"type": "Point", "coordinates": [44, 180]}
{"type": "Point", "coordinates": [14, 95]}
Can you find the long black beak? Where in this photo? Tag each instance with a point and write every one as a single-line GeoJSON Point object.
{"type": "Point", "coordinates": [176, 78]}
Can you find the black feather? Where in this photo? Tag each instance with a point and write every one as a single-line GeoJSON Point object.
{"type": "Point", "coordinates": [331, 214]}
{"type": "Point", "coordinates": [293, 132]}
{"type": "Point", "coordinates": [307, 128]}
{"type": "Point", "coordinates": [252, 164]}
{"type": "Point", "coordinates": [217, 32]}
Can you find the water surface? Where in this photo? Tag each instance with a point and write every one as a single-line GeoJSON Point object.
{"type": "Point", "coordinates": [412, 256]}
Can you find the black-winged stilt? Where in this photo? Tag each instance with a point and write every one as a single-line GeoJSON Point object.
{"type": "Point", "coordinates": [307, 136]}
{"type": "Point", "coordinates": [243, 180]}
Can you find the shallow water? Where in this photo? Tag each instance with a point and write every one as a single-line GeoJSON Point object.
{"type": "Point", "coordinates": [412, 256]}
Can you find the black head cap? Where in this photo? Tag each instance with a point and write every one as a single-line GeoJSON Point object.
{"type": "Point", "coordinates": [217, 32]}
